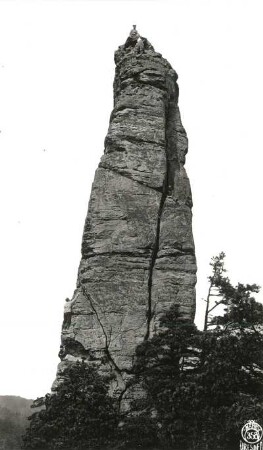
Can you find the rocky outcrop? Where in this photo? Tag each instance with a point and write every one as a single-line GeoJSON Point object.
{"type": "Point", "coordinates": [138, 255]}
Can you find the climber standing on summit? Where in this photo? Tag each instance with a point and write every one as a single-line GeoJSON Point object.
{"type": "Point", "coordinates": [134, 44]}
{"type": "Point", "coordinates": [135, 41]}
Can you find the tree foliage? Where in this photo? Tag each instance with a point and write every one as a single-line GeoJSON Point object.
{"type": "Point", "coordinates": [79, 415]}
{"type": "Point", "coordinates": [241, 309]}
{"type": "Point", "coordinates": [200, 387]}
{"type": "Point", "coordinates": [215, 279]}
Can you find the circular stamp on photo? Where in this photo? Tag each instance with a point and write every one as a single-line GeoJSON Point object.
{"type": "Point", "coordinates": [252, 432]}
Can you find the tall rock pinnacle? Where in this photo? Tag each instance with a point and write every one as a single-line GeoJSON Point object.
{"type": "Point", "coordinates": [138, 256]}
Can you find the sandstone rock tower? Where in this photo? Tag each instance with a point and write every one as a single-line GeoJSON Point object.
{"type": "Point", "coordinates": [138, 256]}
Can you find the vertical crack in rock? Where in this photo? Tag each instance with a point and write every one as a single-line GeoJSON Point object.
{"type": "Point", "coordinates": [107, 343]}
{"type": "Point", "coordinates": [149, 313]}
{"type": "Point", "coordinates": [167, 186]}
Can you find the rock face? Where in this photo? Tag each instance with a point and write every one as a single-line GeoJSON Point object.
{"type": "Point", "coordinates": [138, 255]}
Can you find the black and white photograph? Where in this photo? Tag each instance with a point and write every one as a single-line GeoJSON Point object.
{"type": "Point", "coordinates": [131, 245]}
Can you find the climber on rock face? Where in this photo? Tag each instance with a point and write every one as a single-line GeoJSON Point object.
{"type": "Point", "coordinates": [68, 311]}
{"type": "Point", "coordinates": [139, 46]}
{"type": "Point", "coordinates": [62, 352]}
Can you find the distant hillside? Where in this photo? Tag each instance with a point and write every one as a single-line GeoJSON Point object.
{"type": "Point", "coordinates": [14, 412]}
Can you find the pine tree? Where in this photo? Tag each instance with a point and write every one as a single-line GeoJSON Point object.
{"type": "Point", "coordinates": [79, 415]}
{"type": "Point", "coordinates": [203, 386]}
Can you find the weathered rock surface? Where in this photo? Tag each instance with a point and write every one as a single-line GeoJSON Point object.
{"type": "Point", "coordinates": [138, 254]}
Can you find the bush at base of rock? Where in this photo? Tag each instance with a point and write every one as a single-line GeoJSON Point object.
{"type": "Point", "coordinates": [79, 415]}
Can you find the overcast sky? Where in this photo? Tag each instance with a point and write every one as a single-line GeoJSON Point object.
{"type": "Point", "coordinates": [56, 75]}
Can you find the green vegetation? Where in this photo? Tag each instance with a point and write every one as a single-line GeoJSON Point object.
{"type": "Point", "coordinates": [200, 386]}
{"type": "Point", "coordinates": [80, 415]}
{"type": "Point", "coordinates": [241, 310]}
